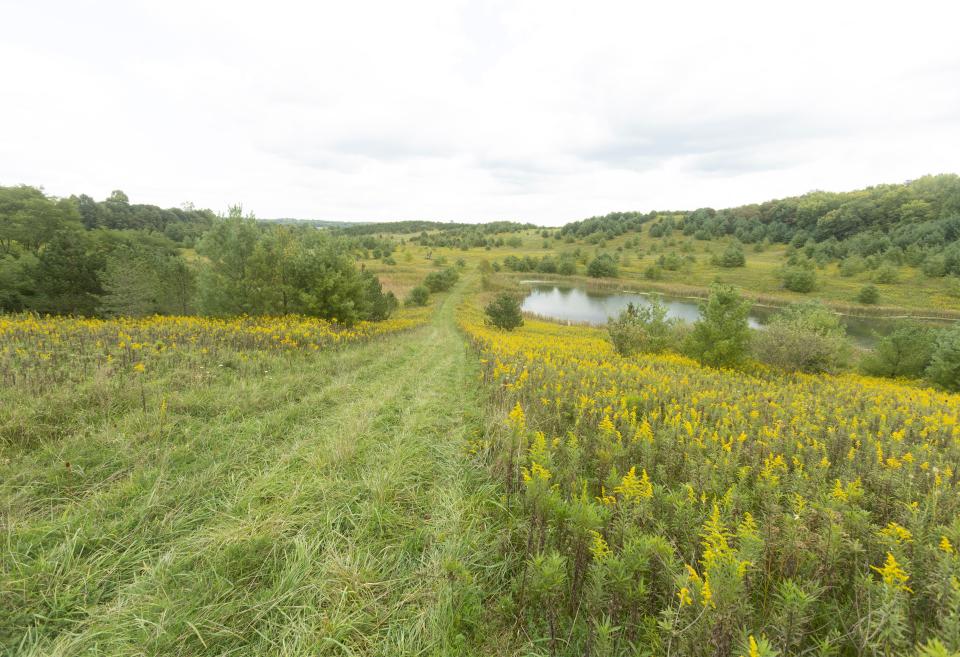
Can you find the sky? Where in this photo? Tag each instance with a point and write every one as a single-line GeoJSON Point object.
{"type": "Point", "coordinates": [452, 110]}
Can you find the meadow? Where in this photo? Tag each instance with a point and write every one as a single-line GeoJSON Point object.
{"type": "Point", "coordinates": [666, 508]}
{"type": "Point", "coordinates": [183, 486]}
{"type": "Point", "coordinates": [428, 484]}
{"type": "Point", "coordinates": [911, 293]}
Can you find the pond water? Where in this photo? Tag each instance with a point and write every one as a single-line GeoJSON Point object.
{"type": "Point", "coordinates": [577, 304]}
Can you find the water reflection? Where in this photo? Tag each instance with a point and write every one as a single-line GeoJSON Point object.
{"type": "Point", "coordinates": [577, 304]}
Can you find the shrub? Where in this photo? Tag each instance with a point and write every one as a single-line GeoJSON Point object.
{"type": "Point", "coordinates": [721, 336]}
{"type": "Point", "coordinates": [547, 265]}
{"type": "Point", "coordinates": [640, 329]}
{"type": "Point", "coordinates": [567, 267]}
{"type": "Point", "coordinates": [805, 337]}
{"type": "Point", "coordinates": [419, 296]}
{"type": "Point", "coordinates": [944, 369]}
{"type": "Point", "coordinates": [670, 261]}
{"type": "Point", "coordinates": [934, 266]}
{"type": "Point", "coordinates": [653, 273]}
{"type": "Point", "coordinates": [799, 279]}
{"type": "Point", "coordinates": [905, 351]}
{"type": "Point", "coordinates": [504, 312]}
{"type": "Point", "coordinates": [441, 281]}
{"type": "Point", "coordinates": [869, 294]}
{"type": "Point", "coordinates": [852, 266]}
{"type": "Point", "coordinates": [377, 305]}
{"type": "Point", "coordinates": [731, 257]}
{"type": "Point", "coordinates": [603, 266]}
{"type": "Point", "coordinates": [886, 274]}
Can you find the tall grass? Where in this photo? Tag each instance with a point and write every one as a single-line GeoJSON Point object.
{"type": "Point", "coordinates": [286, 503]}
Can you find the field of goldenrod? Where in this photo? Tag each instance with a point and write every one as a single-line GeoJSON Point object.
{"type": "Point", "coordinates": [683, 510]}
{"type": "Point", "coordinates": [37, 351]}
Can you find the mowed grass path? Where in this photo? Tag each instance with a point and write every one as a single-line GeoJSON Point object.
{"type": "Point", "coordinates": [324, 509]}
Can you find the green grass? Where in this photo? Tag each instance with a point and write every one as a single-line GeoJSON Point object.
{"type": "Point", "coordinates": [300, 504]}
{"type": "Point", "coordinates": [912, 292]}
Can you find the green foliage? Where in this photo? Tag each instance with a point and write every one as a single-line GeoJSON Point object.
{"type": "Point", "coordinates": [852, 266]}
{"type": "Point", "coordinates": [670, 261]}
{"type": "Point", "coordinates": [567, 267]}
{"type": "Point", "coordinates": [886, 274]}
{"type": "Point", "coordinates": [603, 266]}
{"type": "Point", "coordinates": [505, 311]}
{"type": "Point", "coordinates": [944, 368]}
{"type": "Point", "coordinates": [653, 273]}
{"type": "Point", "coordinates": [868, 294]}
{"type": "Point", "coordinates": [721, 337]}
{"type": "Point", "coordinates": [904, 352]}
{"type": "Point", "coordinates": [66, 276]}
{"type": "Point", "coordinates": [799, 279]}
{"type": "Point", "coordinates": [17, 284]}
{"type": "Point", "coordinates": [805, 337]}
{"type": "Point", "coordinates": [732, 256]}
{"type": "Point", "coordinates": [640, 328]}
{"type": "Point", "coordinates": [139, 281]}
{"type": "Point", "coordinates": [419, 296]}
{"type": "Point", "coordinates": [376, 305]}
{"type": "Point", "coordinates": [281, 269]}
{"type": "Point", "coordinates": [441, 281]}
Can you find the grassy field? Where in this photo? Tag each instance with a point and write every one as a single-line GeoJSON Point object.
{"type": "Point", "coordinates": [912, 292]}
{"type": "Point", "coordinates": [432, 486]}
{"type": "Point", "coordinates": [258, 502]}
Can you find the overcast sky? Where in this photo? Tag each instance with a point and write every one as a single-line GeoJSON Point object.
{"type": "Point", "coordinates": [545, 111]}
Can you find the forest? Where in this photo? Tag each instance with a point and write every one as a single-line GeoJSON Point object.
{"type": "Point", "coordinates": [76, 256]}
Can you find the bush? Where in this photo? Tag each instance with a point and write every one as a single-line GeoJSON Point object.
{"type": "Point", "coordinates": [567, 267]}
{"type": "Point", "coordinates": [731, 257]}
{"type": "Point", "coordinates": [934, 267]}
{"type": "Point", "coordinates": [640, 329]}
{"type": "Point", "coordinates": [852, 266]}
{"type": "Point", "coordinates": [906, 351]}
{"type": "Point", "coordinates": [603, 266]}
{"type": "Point", "coordinates": [805, 337]}
{"type": "Point", "coordinates": [504, 312]}
{"type": "Point", "coordinates": [799, 279]}
{"type": "Point", "coordinates": [670, 261]}
{"type": "Point", "coordinates": [886, 274]}
{"type": "Point", "coordinates": [653, 273]}
{"type": "Point", "coordinates": [869, 294]}
{"type": "Point", "coordinates": [721, 336]}
{"type": "Point", "coordinates": [441, 281]}
{"type": "Point", "coordinates": [377, 304]}
{"type": "Point", "coordinates": [419, 296]}
{"type": "Point", "coordinates": [547, 265]}
{"type": "Point", "coordinates": [944, 368]}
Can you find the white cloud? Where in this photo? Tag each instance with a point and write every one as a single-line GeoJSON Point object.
{"type": "Point", "coordinates": [533, 110]}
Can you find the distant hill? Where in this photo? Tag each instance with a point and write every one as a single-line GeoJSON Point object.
{"type": "Point", "coordinates": [319, 223]}
{"type": "Point", "coordinates": [922, 212]}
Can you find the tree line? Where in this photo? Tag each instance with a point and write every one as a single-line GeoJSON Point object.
{"type": "Point", "coordinates": [77, 256]}
{"type": "Point", "coordinates": [915, 223]}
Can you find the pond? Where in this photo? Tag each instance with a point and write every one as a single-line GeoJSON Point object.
{"type": "Point", "coordinates": [577, 304]}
